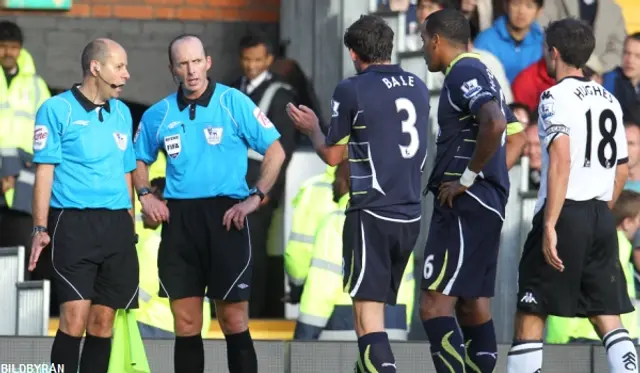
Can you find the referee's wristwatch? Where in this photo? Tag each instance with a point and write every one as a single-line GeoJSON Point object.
{"type": "Point", "coordinates": [37, 229]}
{"type": "Point", "coordinates": [256, 192]}
{"type": "Point", "coordinates": [143, 192]}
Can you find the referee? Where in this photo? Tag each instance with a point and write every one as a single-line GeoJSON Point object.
{"type": "Point", "coordinates": [206, 129]}
{"type": "Point", "coordinates": [82, 206]}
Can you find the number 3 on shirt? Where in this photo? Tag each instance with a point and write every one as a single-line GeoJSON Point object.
{"type": "Point", "coordinates": [408, 127]}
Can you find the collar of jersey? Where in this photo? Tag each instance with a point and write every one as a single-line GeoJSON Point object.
{"type": "Point", "coordinates": [388, 68]}
{"type": "Point", "coordinates": [460, 56]}
{"type": "Point", "coordinates": [87, 104]}
{"type": "Point", "coordinates": [203, 100]}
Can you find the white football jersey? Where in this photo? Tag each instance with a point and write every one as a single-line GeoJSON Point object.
{"type": "Point", "coordinates": [592, 118]}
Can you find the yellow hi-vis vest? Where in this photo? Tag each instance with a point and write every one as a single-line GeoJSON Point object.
{"type": "Point", "coordinates": [561, 330]}
{"type": "Point", "coordinates": [324, 302]}
{"type": "Point", "coordinates": [19, 103]}
{"type": "Point", "coordinates": [152, 309]}
{"type": "Point", "coordinates": [313, 202]}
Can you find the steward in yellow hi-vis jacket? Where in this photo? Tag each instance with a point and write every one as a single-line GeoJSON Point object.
{"type": "Point", "coordinates": [154, 313]}
{"type": "Point", "coordinates": [22, 92]}
{"type": "Point", "coordinates": [313, 201]}
{"type": "Point", "coordinates": [325, 308]}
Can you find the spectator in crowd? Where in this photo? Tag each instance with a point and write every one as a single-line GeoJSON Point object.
{"type": "Point", "coordinates": [521, 112]}
{"type": "Point", "coordinates": [633, 145]}
{"type": "Point", "coordinates": [624, 81]}
{"type": "Point", "coordinates": [271, 95]}
{"type": "Point", "coordinates": [22, 92]}
{"type": "Point", "coordinates": [496, 67]}
{"type": "Point", "coordinates": [422, 10]}
{"type": "Point", "coordinates": [533, 150]}
{"type": "Point", "coordinates": [593, 69]}
{"type": "Point", "coordinates": [479, 13]}
{"type": "Point", "coordinates": [516, 39]}
{"type": "Point", "coordinates": [605, 16]}
{"type": "Point", "coordinates": [530, 83]}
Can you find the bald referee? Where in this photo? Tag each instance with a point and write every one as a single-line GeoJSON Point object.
{"type": "Point", "coordinates": [82, 206]}
{"type": "Point", "coordinates": [206, 129]}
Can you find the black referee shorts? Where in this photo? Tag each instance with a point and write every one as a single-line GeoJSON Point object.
{"type": "Point", "coordinates": [197, 253]}
{"type": "Point", "coordinates": [592, 282]}
{"type": "Point", "coordinates": [94, 257]}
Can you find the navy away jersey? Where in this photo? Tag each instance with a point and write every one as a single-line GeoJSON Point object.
{"type": "Point", "coordinates": [383, 114]}
{"type": "Point", "coordinates": [468, 85]}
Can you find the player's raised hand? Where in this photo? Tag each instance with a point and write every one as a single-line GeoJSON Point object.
{"type": "Point", "coordinates": [449, 191]}
{"type": "Point", "coordinates": [550, 251]}
{"type": "Point", "coordinates": [305, 120]}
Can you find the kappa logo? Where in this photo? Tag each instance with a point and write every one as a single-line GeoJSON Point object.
{"type": "Point", "coordinates": [547, 95]}
{"type": "Point", "coordinates": [213, 135]}
{"type": "Point", "coordinates": [137, 134]}
{"type": "Point", "coordinates": [173, 124]}
{"type": "Point", "coordinates": [121, 140]}
{"type": "Point", "coordinates": [529, 298]}
{"type": "Point", "coordinates": [83, 123]}
{"type": "Point", "coordinates": [40, 136]}
{"type": "Point", "coordinates": [629, 361]}
{"type": "Point", "coordinates": [173, 145]}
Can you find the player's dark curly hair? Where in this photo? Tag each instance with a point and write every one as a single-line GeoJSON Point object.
{"type": "Point", "coordinates": [370, 38]}
{"type": "Point", "coordinates": [450, 24]}
{"type": "Point", "coordinates": [573, 39]}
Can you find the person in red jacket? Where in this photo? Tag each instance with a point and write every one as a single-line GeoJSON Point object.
{"type": "Point", "coordinates": [530, 83]}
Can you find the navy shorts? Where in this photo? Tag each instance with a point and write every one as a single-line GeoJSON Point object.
{"type": "Point", "coordinates": [376, 251]}
{"type": "Point", "coordinates": [461, 254]}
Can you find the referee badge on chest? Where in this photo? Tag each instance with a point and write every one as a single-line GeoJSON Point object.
{"type": "Point", "coordinates": [172, 145]}
{"type": "Point", "coordinates": [121, 140]}
{"type": "Point", "coordinates": [213, 135]}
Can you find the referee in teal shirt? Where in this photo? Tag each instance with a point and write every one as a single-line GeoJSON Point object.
{"type": "Point", "coordinates": [83, 206]}
{"type": "Point", "coordinates": [206, 130]}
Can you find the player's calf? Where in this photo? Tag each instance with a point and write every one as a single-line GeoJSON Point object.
{"type": "Point", "coordinates": [621, 352]}
{"type": "Point", "coordinates": [445, 338]}
{"type": "Point", "coordinates": [188, 354]}
{"type": "Point", "coordinates": [525, 354]}
{"type": "Point", "coordinates": [481, 348]}
{"type": "Point", "coordinates": [373, 342]}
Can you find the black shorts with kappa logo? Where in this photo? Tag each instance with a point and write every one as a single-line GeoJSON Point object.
{"type": "Point", "coordinates": [94, 257]}
{"type": "Point", "coordinates": [592, 282]}
{"type": "Point", "coordinates": [197, 253]}
{"type": "Point", "coordinates": [375, 255]}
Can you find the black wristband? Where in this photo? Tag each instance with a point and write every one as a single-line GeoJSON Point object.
{"type": "Point", "coordinates": [256, 192]}
{"type": "Point", "coordinates": [143, 192]}
{"type": "Point", "coordinates": [37, 229]}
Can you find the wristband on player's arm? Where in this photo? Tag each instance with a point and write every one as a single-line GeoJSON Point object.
{"type": "Point", "coordinates": [468, 177]}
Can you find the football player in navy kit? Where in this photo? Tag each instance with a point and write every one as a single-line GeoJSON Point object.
{"type": "Point", "coordinates": [380, 117]}
{"type": "Point", "coordinates": [471, 182]}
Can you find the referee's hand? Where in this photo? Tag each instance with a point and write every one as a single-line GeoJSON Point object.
{"type": "Point", "coordinates": [237, 214]}
{"type": "Point", "coordinates": [155, 209]}
{"type": "Point", "coordinates": [38, 243]}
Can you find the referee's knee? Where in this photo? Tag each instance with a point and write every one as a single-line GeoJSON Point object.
{"type": "Point", "coordinates": [233, 317]}
{"type": "Point", "coordinates": [100, 322]}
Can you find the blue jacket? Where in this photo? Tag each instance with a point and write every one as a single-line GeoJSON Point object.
{"type": "Point", "coordinates": [609, 80]}
{"type": "Point", "coordinates": [514, 56]}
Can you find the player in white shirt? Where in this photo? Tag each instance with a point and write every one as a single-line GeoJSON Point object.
{"type": "Point", "coordinates": [570, 264]}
